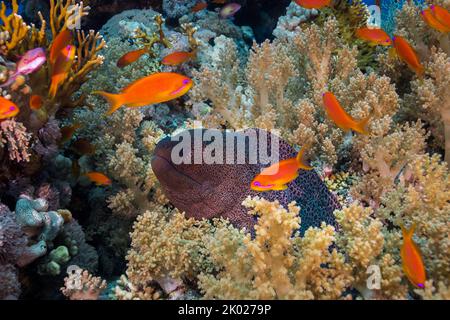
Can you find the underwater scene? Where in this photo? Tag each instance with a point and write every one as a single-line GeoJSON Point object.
{"type": "Point", "coordinates": [224, 150]}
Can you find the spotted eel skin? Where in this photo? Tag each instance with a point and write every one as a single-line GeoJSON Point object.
{"type": "Point", "coordinates": [218, 190]}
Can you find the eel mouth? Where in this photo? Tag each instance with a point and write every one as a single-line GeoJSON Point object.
{"type": "Point", "coordinates": [167, 173]}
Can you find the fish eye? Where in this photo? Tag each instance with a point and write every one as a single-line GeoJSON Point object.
{"type": "Point", "coordinates": [420, 285]}
{"type": "Point", "coordinates": [12, 108]}
{"type": "Point", "coordinates": [185, 81]}
{"type": "Point", "coordinates": [257, 184]}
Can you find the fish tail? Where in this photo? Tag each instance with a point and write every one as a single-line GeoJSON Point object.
{"type": "Point", "coordinates": [301, 161]}
{"type": "Point", "coordinates": [420, 71]}
{"type": "Point", "coordinates": [53, 88]}
{"type": "Point", "coordinates": [115, 100]}
{"type": "Point", "coordinates": [408, 233]}
{"type": "Point", "coordinates": [362, 126]}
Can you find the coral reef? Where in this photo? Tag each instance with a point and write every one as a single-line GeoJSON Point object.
{"type": "Point", "coordinates": [161, 230]}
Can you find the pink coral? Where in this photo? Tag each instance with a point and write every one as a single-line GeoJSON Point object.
{"type": "Point", "coordinates": [15, 136]}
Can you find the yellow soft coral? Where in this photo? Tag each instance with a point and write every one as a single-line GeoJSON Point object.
{"type": "Point", "coordinates": [275, 264]}
{"type": "Point", "coordinates": [423, 199]}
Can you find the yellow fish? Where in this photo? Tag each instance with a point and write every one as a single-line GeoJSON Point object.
{"type": "Point", "coordinates": [156, 88]}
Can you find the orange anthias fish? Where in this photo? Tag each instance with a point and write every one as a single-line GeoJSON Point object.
{"type": "Point", "coordinates": [36, 102]}
{"type": "Point", "coordinates": [131, 57]}
{"type": "Point", "coordinates": [61, 68]}
{"type": "Point", "coordinates": [313, 4]}
{"type": "Point", "coordinates": [441, 14]}
{"type": "Point", "coordinates": [375, 36]}
{"type": "Point", "coordinates": [83, 147]}
{"type": "Point", "coordinates": [177, 58]}
{"type": "Point", "coordinates": [68, 131]}
{"type": "Point", "coordinates": [430, 19]}
{"type": "Point", "coordinates": [62, 40]}
{"type": "Point", "coordinates": [8, 109]}
{"type": "Point", "coordinates": [99, 178]}
{"type": "Point", "coordinates": [199, 6]}
{"type": "Point", "coordinates": [156, 88]}
{"type": "Point", "coordinates": [342, 119]}
{"type": "Point", "coordinates": [406, 53]}
{"type": "Point", "coordinates": [277, 176]}
{"type": "Point", "coordinates": [412, 259]}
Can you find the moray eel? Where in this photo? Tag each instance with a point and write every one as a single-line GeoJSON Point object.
{"type": "Point", "coordinates": [217, 190]}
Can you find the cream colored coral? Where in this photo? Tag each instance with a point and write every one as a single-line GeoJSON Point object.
{"type": "Point", "coordinates": [81, 285]}
{"type": "Point", "coordinates": [166, 248]}
{"type": "Point", "coordinates": [384, 153]}
{"type": "Point", "coordinates": [15, 139]}
{"type": "Point", "coordinates": [276, 264]}
{"type": "Point", "coordinates": [433, 96]}
{"type": "Point", "coordinates": [423, 199]}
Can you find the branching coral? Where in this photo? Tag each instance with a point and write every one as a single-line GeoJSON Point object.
{"type": "Point", "coordinates": [15, 139]}
{"type": "Point", "coordinates": [275, 264]}
{"type": "Point", "coordinates": [422, 199]}
{"type": "Point", "coordinates": [384, 154]}
{"type": "Point", "coordinates": [283, 89]}
{"type": "Point", "coordinates": [433, 97]}
{"type": "Point", "coordinates": [165, 248]}
{"type": "Point", "coordinates": [17, 32]}
{"type": "Point", "coordinates": [81, 285]}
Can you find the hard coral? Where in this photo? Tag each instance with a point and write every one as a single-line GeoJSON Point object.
{"type": "Point", "coordinates": [81, 285]}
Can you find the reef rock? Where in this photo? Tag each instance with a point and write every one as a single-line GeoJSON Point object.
{"type": "Point", "coordinates": [289, 24]}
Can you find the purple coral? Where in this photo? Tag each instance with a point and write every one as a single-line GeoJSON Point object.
{"type": "Point", "coordinates": [12, 239]}
{"type": "Point", "coordinates": [47, 144]}
{"type": "Point", "coordinates": [12, 245]}
{"type": "Point", "coordinates": [9, 283]}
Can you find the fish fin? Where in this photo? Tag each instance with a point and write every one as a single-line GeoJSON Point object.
{"type": "Point", "coordinates": [53, 88]}
{"type": "Point", "coordinates": [362, 126]}
{"type": "Point", "coordinates": [301, 160]}
{"type": "Point", "coordinates": [115, 100]}
{"type": "Point", "coordinates": [280, 188]}
{"type": "Point", "coordinates": [420, 72]}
